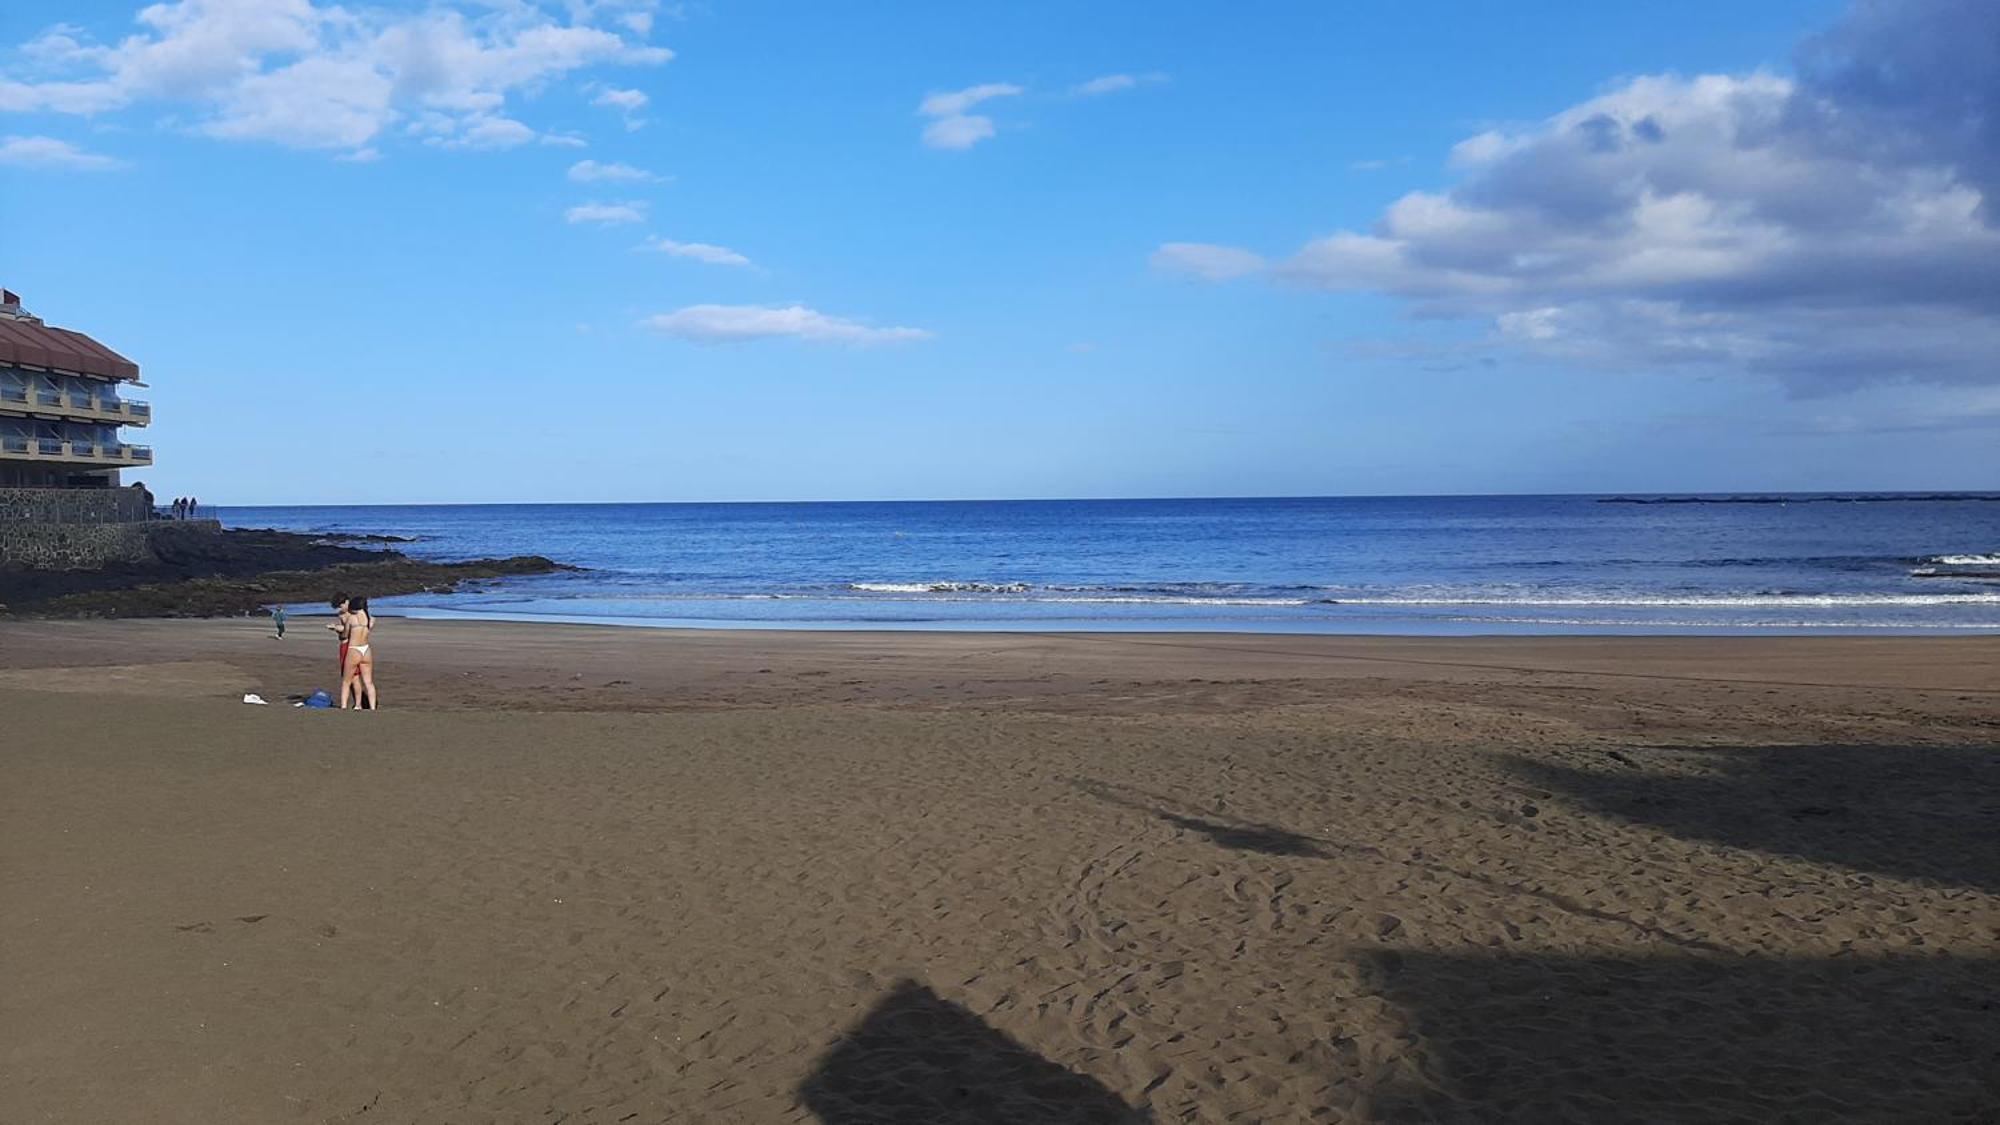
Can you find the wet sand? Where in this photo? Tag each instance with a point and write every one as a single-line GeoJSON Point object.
{"type": "Point", "coordinates": [595, 875]}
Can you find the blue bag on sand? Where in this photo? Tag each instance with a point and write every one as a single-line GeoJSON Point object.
{"type": "Point", "coordinates": [319, 699]}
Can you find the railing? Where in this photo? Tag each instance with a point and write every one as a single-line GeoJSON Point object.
{"type": "Point", "coordinates": [101, 408]}
{"type": "Point", "coordinates": [57, 449]}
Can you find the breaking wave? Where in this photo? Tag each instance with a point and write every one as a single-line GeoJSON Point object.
{"type": "Point", "coordinates": [941, 587]}
{"type": "Point", "coordinates": [1235, 594]}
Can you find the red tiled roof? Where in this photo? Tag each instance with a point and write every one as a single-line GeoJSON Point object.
{"type": "Point", "coordinates": [24, 342]}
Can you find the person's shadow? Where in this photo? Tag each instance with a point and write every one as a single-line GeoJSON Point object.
{"type": "Point", "coordinates": [1229, 832]}
{"type": "Point", "coordinates": [919, 1059]}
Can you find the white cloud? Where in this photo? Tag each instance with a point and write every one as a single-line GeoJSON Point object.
{"type": "Point", "coordinates": [698, 251]}
{"type": "Point", "coordinates": [1109, 84]}
{"type": "Point", "coordinates": [629, 212]}
{"type": "Point", "coordinates": [1827, 230]}
{"type": "Point", "coordinates": [591, 171]}
{"type": "Point", "coordinates": [57, 46]}
{"type": "Point", "coordinates": [1206, 260]}
{"type": "Point", "coordinates": [953, 127]}
{"type": "Point", "coordinates": [315, 76]}
{"type": "Point", "coordinates": [959, 131]}
{"type": "Point", "coordinates": [58, 97]}
{"type": "Point", "coordinates": [722, 324]}
{"type": "Point", "coordinates": [1485, 148]}
{"type": "Point", "coordinates": [493, 132]}
{"type": "Point", "coordinates": [48, 152]}
{"type": "Point", "coordinates": [636, 16]}
{"type": "Point", "coordinates": [958, 101]}
{"type": "Point", "coordinates": [1114, 83]}
{"type": "Point", "coordinates": [628, 100]}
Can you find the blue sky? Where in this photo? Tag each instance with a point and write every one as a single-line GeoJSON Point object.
{"type": "Point", "coordinates": [619, 250]}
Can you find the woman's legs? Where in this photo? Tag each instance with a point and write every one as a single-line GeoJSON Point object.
{"type": "Point", "coordinates": [368, 681]}
{"type": "Point", "coordinates": [350, 681]}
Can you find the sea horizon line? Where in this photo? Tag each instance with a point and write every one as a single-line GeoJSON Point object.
{"type": "Point", "coordinates": [1940, 494]}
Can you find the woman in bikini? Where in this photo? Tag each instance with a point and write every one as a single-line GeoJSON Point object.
{"type": "Point", "coordinates": [360, 674]}
{"type": "Point", "coordinates": [339, 628]}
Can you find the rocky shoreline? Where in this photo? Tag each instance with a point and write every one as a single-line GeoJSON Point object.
{"type": "Point", "coordinates": [241, 572]}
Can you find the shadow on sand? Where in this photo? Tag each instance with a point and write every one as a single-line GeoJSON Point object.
{"type": "Point", "coordinates": [918, 1058]}
{"type": "Point", "coordinates": [1927, 813]}
{"type": "Point", "coordinates": [1243, 835]}
{"type": "Point", "coordinates": [1693, 1039]}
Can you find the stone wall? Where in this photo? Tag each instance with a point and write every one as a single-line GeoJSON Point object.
{"type": "Point", "coordinates": [72, 506]}
{"type": "Point", "coordinates": [71, 546]}
{"type": "Point", "coordinates": [83, 528]}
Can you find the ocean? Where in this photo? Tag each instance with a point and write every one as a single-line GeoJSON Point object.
{"type": "Point", "coordinates": [1862, 563]}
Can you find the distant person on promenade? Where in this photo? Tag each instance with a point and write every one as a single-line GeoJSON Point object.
{"type": "Point", "coordinates": [278, 620]}
{"type": "Point", "coordinates": [360, 677]}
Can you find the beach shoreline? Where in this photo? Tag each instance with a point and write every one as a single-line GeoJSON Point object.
{"type": "Point", "coordinates": [456, 664]}
{"type": "Point", "coordinates": [593, 872]}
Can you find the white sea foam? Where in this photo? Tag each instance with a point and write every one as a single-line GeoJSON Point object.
{"type": "Point", "coordinates": [1965, 560]}
{"type": "Point", "coordinates": [1524, 601]}
{"type": "Point", "coordinates": [941, 587]}
{"type": "Point", "coordinates": [1138, 600]}
{"type": "Point", "coordinates": [1718, 601]}
{"type": "Point", "coordinates": [963, 590]}
{"type": "Point", "coordinates": [1698, 623]}
{"type": "Point", "coordinates": [1193, 594]}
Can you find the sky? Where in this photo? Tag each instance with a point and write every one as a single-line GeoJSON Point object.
{"type": "Point", "coordinates": [627, 250]}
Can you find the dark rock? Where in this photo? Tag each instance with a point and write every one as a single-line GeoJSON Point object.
{"type": "Point", "coordinates": [233, 573]}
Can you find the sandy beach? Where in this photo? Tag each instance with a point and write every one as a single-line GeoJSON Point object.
{"type": "Point", "coordinates": [578, 874]}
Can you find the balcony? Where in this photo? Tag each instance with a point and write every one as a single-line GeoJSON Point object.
{"type": "Point", "coordinates": [110, 454]}
{"type": "Point", "coordinates": [82, 407]}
